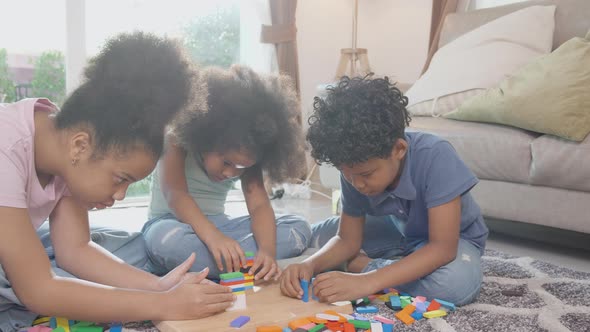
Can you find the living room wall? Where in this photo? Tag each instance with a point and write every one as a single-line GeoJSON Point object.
{"type": "Point", "coordinates": [395, 32]}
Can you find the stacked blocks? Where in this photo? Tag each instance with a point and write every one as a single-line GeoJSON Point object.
{"type": "Point", "coordinates": [237, 283]}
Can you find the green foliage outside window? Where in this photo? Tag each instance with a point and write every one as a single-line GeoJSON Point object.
{"type": "Point", "coordinates": [49, 77]}
{"type": "Point", "coordinates": [214, 40]}
{"type": "Point", "coordinates": [6, 84]}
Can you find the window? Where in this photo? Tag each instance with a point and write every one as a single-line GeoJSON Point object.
{"type": "Point", "coordinates": [32, 44]}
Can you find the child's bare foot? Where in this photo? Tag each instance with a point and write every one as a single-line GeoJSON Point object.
{"type": "Point", "coordinates": [358, 263]}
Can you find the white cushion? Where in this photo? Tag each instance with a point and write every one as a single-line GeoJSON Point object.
{"type": "Point", "coordinates": [483, 57]}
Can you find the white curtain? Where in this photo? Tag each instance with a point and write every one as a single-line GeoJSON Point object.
{"type": "Point", "coordinates": [259, 56]}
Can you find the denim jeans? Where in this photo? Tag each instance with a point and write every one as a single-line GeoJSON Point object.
{"type": "Point", "coordinates": [169, 242]}
{"type": "Point", "coordinates": [130, 247]}
{"type": "Point", "coordinates": [458, 282]}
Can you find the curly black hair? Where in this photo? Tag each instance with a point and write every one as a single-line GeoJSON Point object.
{"type": "Point", "coordinates": [359, 119]}
{"type": "Point", "coordinates": [130, 91]}
{"type": "Point", "coordinates": [245, 110]}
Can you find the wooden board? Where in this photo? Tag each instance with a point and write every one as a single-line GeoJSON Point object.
{"type": "Point", "coordinates": [266, 306]}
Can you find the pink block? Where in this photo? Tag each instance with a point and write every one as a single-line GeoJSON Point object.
{"type": "Point", "coordinates": [383, 320]}
{"type": "Point", "coordinates": [39, 328]}
{"type": "Point", "coordinates": [419, 299]}
{"type": "Point", "coordinates": [307, 327]}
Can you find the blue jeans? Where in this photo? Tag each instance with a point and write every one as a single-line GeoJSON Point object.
{"type": "Point", "coordinates": [169, 242]}
{"type": "Point", "coordinates": [458, 282]}
{"type": "Point", "coordinates": [130, 247]}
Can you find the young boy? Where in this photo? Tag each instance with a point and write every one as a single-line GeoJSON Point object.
{"type": "Point", "coordinates": [405, 202]}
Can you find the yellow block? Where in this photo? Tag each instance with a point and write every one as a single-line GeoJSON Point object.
{"type": "Point", "coordinates": [63, 323]}
{"type": "Point", "coordinates": [434, 314]}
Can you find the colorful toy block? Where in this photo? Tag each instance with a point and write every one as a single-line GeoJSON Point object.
{"type": "Point", "coordinates": [360, 324]}
{"type": "Point", "coordinates": [376, 327]}
{"type": "Point", "coordinates": [383, 320]}
{"type": "Point", "coordinates": [395, 302]}
{"type": "Point", "coordinates": [367, 310]}
{"type": "Point", "coordinates": [328, 317]}
{"type": "Point", "coordinates": [416, 315]}
{"type": "Point", "coordinates": [434, 305]}
{"type": "Point", "coordinates": [295, 324]}
{"type": "Point", "coordinates": [404, 317]}
{"type": "Point", "coordinates": [240, 321]}
{"type": "Point", "coordinates": [39, 328]}
{"type": "Point", "coordinates": [315, 298]}
{"type": "Point", "coordinates": [272, 328]}
{"type": "Point", "coordinates": [305, 286]}
{"type": "Point", "coordinates": [318, 328]}
{"type": "Point", "coordinates": [434, 314]}
{"type": "Point", "coordinates": [448, 305]}
{"type": "Point", "coordinates": [405, 300]}
{"type": "Point", "coordinates": [236, 281]}
{"type": "Point", "coordinates": [421, 307]}
{"type": "Point", "coordinates": [387, 327]}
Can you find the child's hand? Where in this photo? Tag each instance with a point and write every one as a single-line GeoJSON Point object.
{"type": "Point", "coordinates": [266, 266]}
{"type": "Point", "coordinates": [222, 246]}
{"type": "Point", "coordinates": [195, 298]}
{"type": "Point", "coordinates": [177, 275]}
{"type": "Point", "coordinates": [290, 280]}
{"type": "Point", "coordinates": [340, 286]}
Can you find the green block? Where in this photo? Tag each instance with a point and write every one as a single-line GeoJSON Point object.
{"type": "Point", "coordinates": [81, 324]}
{"type": "Point", "coordinates": [366, 300]}
{"type": "Point", "coordinates": [317, 328]}
{"type": "Point", "coordinates": [360, 324]}
{"type": "Point", "coordinates": [87, 329]}
{"type": "Point", "coordinates": [58, 329]}
{"type": "Point", "coordinates": [405, 300]}
{"type": "Point", "coordinates": [232, 275]}
{"type": "Point", "coordinates": [249, 254]}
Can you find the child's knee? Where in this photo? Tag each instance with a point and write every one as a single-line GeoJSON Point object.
{"type": "Point", "coordinates": [296, 234]}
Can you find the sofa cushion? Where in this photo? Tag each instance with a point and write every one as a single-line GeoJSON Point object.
{"type": "Point", "coordinates": [560, 163]}
{"type": "Point", "coordinates": [492, 152]}
{"type": "Point", "coordinates": [442, 105]}
{"type": "Point", "coordinates": [571, 19]}
{"type": "Point", "coordinates": [548, 95]}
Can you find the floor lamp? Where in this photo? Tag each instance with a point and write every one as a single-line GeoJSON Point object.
{"type": "Point", "coordinates": [353, 61]}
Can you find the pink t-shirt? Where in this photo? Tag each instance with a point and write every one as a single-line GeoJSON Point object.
{"type": "Point", "coordinates": [19, 184]}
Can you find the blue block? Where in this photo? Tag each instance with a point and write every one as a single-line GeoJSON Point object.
{"type": "Point", "coordinates": [360, 317]}
{"type": "Point", "coordinates": [395, 302]}
{"type": "Point", "coordinates": [117, 327]}
{"type": "Point", "coordinates": [416, 315]}
{"type": "Point", "coordinates": [404, 294]}
{"type": "Point", "coordinates": [421, 307]}
{"type": "Point", "coordinates": [53, 323]}
{"type": "Point", "coordinates": [387, 327]}
{"type": "Point", "coordinates": [367, 310]}
{"type": "Point", "coordinates": [240, 321]}
{"type": "Point", "coordinates": [286, 329]}
{"type": "Point", "coordinates": [446, 304]}
{"type": "Point", "coordinates": [235, 290]}
{"type": "Point", "coordinates": [305, 287]}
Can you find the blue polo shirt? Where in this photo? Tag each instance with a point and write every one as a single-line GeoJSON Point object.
{"type": "Point", "coordinates": [432, 175]}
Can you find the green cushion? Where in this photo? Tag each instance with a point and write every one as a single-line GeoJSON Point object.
{"type": "Point", "coordinates": [550, 95]}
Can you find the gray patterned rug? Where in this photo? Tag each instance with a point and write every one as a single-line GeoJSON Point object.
{"type": "Point", "coordinates": [519, 294]}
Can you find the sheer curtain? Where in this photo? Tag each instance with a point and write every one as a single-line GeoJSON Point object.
{"type": "Point", "coordinates": [259, 56]}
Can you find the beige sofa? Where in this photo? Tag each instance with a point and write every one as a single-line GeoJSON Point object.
{"type": "Point", "coordinates": [524, 176]}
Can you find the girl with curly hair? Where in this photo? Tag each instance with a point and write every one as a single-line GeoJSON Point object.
{"type": "Point", "coordinates": [58, 164]}
{"type": "Point", "coordinates": [247, 127]}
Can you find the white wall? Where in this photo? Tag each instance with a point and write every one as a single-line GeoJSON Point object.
{"type": "Point", "coordinates": [395, 32]}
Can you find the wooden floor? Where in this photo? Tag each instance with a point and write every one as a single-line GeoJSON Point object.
{"type": "Point", "coordinates": [266, 306]}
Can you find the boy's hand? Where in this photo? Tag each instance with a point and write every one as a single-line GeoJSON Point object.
{"type": "Point", "coordinates": [222, 246]}
{"type": "Point", "coordinates": [194, 298]}
{"type": "Point", "coordinates": [266, 265]}
{"type": "Point", "coordinates": [340, 286]}
{"type": "Point", "coordinates": [177, 275]}
{"type": "Point", "coordinates": [290, 280]}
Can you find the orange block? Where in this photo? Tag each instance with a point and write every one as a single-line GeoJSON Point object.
{"type": "Point", "coordinates": [335, 326]}
{"type": "Point", "coordinates": [273, 328]}
{"type": "Point", "coordinates": [409, 309]}
{"type": "Point", "coordinates": [434, 305]}
{"type": "Point", "coordinates": [349, 327]}
{"type": "Point", "coordinates": [405, 318]}
{"type": "Point", "coordinates": [317, 320]}
{"type": "Point", "coordinates": [294, 324]}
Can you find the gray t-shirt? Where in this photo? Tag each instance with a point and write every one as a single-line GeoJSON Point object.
{"type": "Point", "coordinates": [432, 175]}
{"type": "Point", "coordinates": [210, 196]}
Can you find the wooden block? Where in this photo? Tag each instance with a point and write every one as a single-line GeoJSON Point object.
{"type": "Point", "coordinates": [360, 324]}
{"type": "Point", "coordinates": [450, 306]}
{"type": "Point", "coordinates": [63, 322]}
{"type": "Point", "coordinates": [387, 327]}
{"type": "Point", "coordinates": [376, 327]}
{"type": "Point", "coordinates": [434, 314]}
{"type": "Point", "coordinates": [434, 305]}
{"type": "Point", "coordinates": [405, 318]}
{"type": "Point", "coordinates": [341, 318]}
{"type": "Point", "coordinates": [383, 320]}
{"type": "Point", "coordinates": [349, 327]}
{"type": "Point", "coordinates": [295, 324]}
{"type": "Point", "coordinates": [240, 321]}
{"type": "Point", "coordinates": [239, 304]}
{"type": "Point", "coordinates": [367, 310]}
{"type": "Point", "coordinates": [305, 286]}
{"type": "Point", "coordinates": [231, 275]}
{"type": "Point", "coordinates": [409, 309]}
{"type": "Point", "coordinates": [318, 328]}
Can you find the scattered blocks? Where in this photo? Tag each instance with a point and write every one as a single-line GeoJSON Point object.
{"type": "Point", "coordinates": [360, 324]}
{"type": "Point", "coordinates": [240, 321]}
{"type": "Point", "coordinates": [395, 302]}
{"type": "Point", "coordinates": [383, 320]}
{"type": "Point", "coordinates": [405, 300]}
{"type": "Point", "coordinates": [416, 315]}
